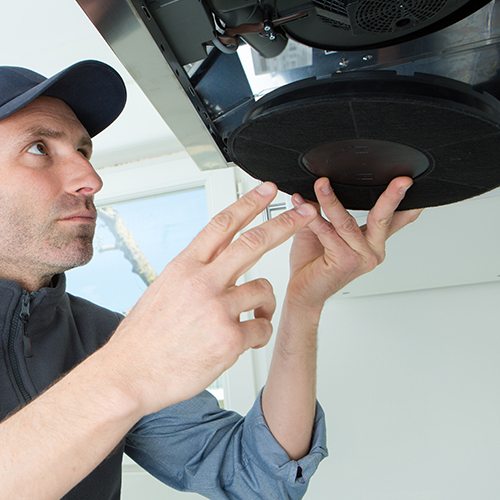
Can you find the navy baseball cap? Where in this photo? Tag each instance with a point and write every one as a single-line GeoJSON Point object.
{"type": "Point", "coordinates": [93, 90]}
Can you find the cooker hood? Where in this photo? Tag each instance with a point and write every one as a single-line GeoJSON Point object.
{"type": "Point", "coordinates": [358, 90]}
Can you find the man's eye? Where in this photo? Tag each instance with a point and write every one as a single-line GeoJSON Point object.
{"type": "Point", "coordinates": [38, 149]}
{"type": "Point", "coordinates": [85, 153]}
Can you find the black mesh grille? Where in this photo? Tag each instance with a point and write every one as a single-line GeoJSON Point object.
{"type": "Point", "coordinates": [336, 7]}
{"type": "Point", "coordinates": [382, 16]}
{"type": "Point", "coordinates": [335, 24]}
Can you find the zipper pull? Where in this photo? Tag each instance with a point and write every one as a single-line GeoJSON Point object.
{"type": "Point", "coordinates": [25, 316]}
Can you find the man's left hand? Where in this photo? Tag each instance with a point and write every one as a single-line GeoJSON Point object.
{"type": "Point", "coordinates": [333, 251]}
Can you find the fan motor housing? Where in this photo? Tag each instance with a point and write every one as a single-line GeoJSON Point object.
{"type": "Point", "coordinates": [366, 24]}
{"type": "Point", "coordinates": [343, 24]}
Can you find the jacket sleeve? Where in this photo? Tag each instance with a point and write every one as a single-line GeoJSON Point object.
{"type": "Point", "coordinates": [196, 446]}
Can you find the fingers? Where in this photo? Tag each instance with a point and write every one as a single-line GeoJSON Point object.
{"type": "Point", "coordinates": [344, 223]}
{"type": "Point", "coordinates": [403, 218]}
{"type": "Point", "coordinates": [220, 231]}
{"type": "Point", "coordinates": [382, 221]}
{"type": "Point", "coordinates": [256, 333]}
{"type": "Point", "coordinates": [379, 224]}
{"type": "Point", "coordinates": [243, 253]}
{"type": "Point", "coordinates": [256, 295]}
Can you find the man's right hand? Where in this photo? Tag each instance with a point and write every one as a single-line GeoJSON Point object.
{"type": "Point", "coordinates": [186, 331]}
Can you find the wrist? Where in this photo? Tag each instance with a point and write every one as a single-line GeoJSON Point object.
{"type": "Point", "coordinates": [113, 389]}
{"type": "Point", "coordinates": [295, 306]}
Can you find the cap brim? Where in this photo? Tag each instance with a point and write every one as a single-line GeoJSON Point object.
{"type": "Point", "coordinates": [93, 90]}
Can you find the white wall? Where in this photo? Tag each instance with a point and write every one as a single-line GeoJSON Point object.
{"type": "Point", "coordinates": [410, 386]}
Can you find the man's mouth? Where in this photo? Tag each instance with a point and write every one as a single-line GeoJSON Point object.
{"type": "Point", "coordinates": [83, 216]}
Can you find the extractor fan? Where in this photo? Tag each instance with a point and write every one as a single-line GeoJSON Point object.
{"type": "Point", "coordinates": [386, 88]}
{"type": "Point", "coordinates": [190, 25]}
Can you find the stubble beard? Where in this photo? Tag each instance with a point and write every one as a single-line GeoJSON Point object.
{"type": "Point", "coordinates": [72, 247]}
{"type": "Point", "coordinates": [49, 246]}
{"type": "Point", "coordinates": [73, 250]}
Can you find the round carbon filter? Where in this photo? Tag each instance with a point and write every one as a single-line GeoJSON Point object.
{"type": "Point", "coordinates": [362, 129]}
{"type": "Point", "coordinates": [369, 24]}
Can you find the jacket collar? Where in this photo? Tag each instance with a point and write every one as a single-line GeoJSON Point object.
{"type": "Point", "coordinates": [49, 297]}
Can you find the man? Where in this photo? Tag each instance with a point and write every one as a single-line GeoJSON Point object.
{"type": "Point", "coordinates": [79, 397]}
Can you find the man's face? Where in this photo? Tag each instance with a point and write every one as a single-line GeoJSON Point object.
{"type": "Point", "coordinates": [47, 185]}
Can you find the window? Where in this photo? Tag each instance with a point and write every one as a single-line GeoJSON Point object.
{"type": "Point", "coordinates": [134, 241]}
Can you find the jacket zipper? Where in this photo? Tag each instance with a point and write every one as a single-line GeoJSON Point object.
{"type": "Point", "coordinates": [25, 317]}
{"type": "Point", "coordinates": [22, 313]}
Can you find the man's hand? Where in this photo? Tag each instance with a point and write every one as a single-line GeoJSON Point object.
{"type": "Point", "coordinates": [332, 252]}
{"type": "Point", "coordinates": [325, 256]}
{"type": "Point", "coordinates": [186, 329]}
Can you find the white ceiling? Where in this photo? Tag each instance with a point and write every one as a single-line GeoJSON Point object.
{"type": "Point", "coordinates": [49, 35]}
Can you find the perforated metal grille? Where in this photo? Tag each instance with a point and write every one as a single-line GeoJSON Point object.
{"type": "Point", "coordinates": [388, 16]}
{"type": "Point", "coordinates": [336, 7]}
{"type": "Point", "coordinates": [335, 24]}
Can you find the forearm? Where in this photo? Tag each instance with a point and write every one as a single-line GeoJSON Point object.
{"type": "Point", "coordinates": [326, 255]}
{"type": "Point", "coordinates": [53, 443]}
{"type": "Point", "coordinates": [289, 397]}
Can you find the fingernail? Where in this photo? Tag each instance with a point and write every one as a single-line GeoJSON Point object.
{"type": "Point", "coordinates": [266, 189]}
{"type": "Point", "coordinates": [404, 189]}
{"type": "Point", "coordinates": [305, 209]}
{"type": "Point", "coordinates": [326, 189]}
{"type": "Point", "coordinates": [297, 198]}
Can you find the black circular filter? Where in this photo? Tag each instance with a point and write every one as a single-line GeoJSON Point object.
{"type": "Point", "coordinates": [362, 129]}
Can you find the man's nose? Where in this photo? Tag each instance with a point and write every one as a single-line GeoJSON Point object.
{"type": "Point", "coordinates": [82, 177]}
